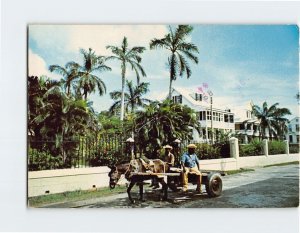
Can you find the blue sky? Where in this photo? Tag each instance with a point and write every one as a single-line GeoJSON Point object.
{"type": "Point", "coordinates": [240, 63]}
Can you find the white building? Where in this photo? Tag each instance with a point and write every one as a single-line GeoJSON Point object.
{"type": "Point", "coordinates": [293, 131]}
{"type": "Point", "coordinates": [210, 116]}
{"type": "Point", "coordinates": [246, 124]}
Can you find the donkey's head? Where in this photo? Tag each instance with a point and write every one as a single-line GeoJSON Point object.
{"type": "Point", "coordinates": [114, 176]}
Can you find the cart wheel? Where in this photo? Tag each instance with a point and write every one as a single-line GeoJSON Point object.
{"type": "Point", "coordinates": [214, 185]}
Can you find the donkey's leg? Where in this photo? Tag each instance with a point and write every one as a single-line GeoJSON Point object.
{"type": "Point", "coordinates": [132, 183]}
{"type": "Point", "coordinates": [164, 189]}
{"type": "Point", "coordinates": [141, 190]}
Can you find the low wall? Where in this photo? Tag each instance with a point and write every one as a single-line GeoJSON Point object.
{"type": "Point", "coordinates": [63, 180]}
{"type": "Point", "coordinates": [58, 181]}
{"type": "Point", "coordinates": [260, 161]}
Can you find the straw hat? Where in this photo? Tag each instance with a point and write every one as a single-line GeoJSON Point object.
{"type": "Point", "coordinates": [192, 146]}
{"type": "Point", "coordinates": [168, 147]}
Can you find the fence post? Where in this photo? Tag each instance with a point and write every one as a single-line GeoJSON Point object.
{"type": "Point", "coordinates": [266, 147]}
{"type": "Point", "coordinates": [234, 150]}
{"type": "Point", "coordinates": [287, 149]}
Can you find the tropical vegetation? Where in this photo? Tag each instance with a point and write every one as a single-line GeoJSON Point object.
{"type": "Point", "coordinates": [62, 122]}
{"type": "Point", "coordinates": [176, 42]}
{"type": "Point", "coordinates": [272, 120]}
{"type": "Point", "coordinates": [127, 56]}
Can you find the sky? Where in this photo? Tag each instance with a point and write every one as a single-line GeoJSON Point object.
{"type": "Point", "coordinates": [239, 63]}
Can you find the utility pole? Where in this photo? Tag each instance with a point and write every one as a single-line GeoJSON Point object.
{"type": "Point", "coordinates": [211, 120]}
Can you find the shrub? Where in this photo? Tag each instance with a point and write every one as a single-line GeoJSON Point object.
{"type": "Point", "coordinates": [276, 147]}
{"type": "Point", "coordinates": [206, 151]}
{"type": "Point", "coordinates": [107, 158]}
{"type": "Point", "coordinates": [41, 160]}
{"type": "Point", "coordinates": [254, 148]}
{"type": "Point", "coordinates": [294, 148]}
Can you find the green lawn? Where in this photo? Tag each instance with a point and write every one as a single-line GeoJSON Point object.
{"type": "Point", "coordinates": [283, 164]}
{"type": "Point", "coordinates": [74, 196]}
{"type": "Point", "coordinates": [232, 172]}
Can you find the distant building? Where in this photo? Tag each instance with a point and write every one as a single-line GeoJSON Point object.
{"type": "Point", "coordinates": [222, 119]}
{"type": "Point", "coordinates": [246, 124]}
{"type": "Point", "coordinates": [293, 131]}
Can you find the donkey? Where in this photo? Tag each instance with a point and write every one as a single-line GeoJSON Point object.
{"type": "Point", "coordinates": [138, 165]}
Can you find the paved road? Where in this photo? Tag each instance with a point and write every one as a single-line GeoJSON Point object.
{"type": "Point", "coordinates": [265, 187]}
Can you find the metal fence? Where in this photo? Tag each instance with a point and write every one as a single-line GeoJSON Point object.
{"type": "Point", "coordinates": [75, 152]}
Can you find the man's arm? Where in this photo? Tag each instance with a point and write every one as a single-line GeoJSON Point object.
{"type": "Point", "coordinates": [172, 160]}
{"type": "Point", "coordinates": [197, 162]}
{"type": "Point", "coordinates": [182, 163]}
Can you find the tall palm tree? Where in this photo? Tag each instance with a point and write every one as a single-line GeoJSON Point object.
{"type": "Point", "coordinates": [180, 51]}
{"type": "Point", "coordinates": [69, 73]}
{"type": "Point", "coordinates": [132, 99]}
{"type": "Point", "coordinates": [88, 80]}
{"type": "Point", "coordinates": [271, 118]}
{"type": "Point", "coordinates": [127, 56]}
{"type": "Point", "coordinates": [162, 122]}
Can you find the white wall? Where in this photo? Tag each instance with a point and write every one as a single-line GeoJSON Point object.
{"type": "Point", "coordinates": [63, 180]}
{"type": "Point", "coordinates": [58, 181]}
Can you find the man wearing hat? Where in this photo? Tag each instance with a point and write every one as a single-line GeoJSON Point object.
{"type": "Point", "coordinates": [169, 157]}
{"type": "Point", "coordinates": [190, 163]}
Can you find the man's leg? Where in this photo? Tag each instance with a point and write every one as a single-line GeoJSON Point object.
{"type": "Point", "coordinates": [185, 179]}
{"type": "Point", "coordinates": [199, 178]}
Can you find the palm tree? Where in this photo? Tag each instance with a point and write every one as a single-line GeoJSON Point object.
{"type": "Point", "coordinates": [181, 51]}
{"type": "Point", "coordinates": [162, 123]}
{"type": "Point", "coordinates": [271, 118]}
{"type": "Point", "coordinates": [69, 73]}
{"type": "Point", "coordinates": [88, 81]}
{"type": "Point", "coordinates": [132, 98]}
{"type": "Point", "coordinates": [131, 57]}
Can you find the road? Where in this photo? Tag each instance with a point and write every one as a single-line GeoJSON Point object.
{"type": "Point", "coordinates": [276, 186]}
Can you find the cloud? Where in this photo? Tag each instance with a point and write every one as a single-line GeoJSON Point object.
{"type": "Point", "coordinates": [157, 95]}
{"type": "Point", "coordinates": [37, 66]}
{"type": "Point", "coordinates": [99, 36]}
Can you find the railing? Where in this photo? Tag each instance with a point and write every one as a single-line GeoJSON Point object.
{"type": "Point", "coordinates": [75, 152]}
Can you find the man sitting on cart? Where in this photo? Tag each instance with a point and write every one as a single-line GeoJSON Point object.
{"type": "Point", "coordinates": [190, 164]}
{"type": "Point", "coordinates": [169, 157]}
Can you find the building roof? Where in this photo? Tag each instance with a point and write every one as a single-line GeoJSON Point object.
{"type": "Point", "coordinates": [188, 93]}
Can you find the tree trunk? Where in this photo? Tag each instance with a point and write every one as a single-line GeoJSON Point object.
{"type": "Point", "coordinates": [123, 90]}
{"type": "Point", "coordinates": [170, 88]}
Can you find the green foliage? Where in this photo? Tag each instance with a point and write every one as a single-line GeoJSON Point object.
{"type": "Point", "coordinates": [181, 51]}
{"type": "Point", "coordinates": [294, 148]}
{"type": "Point", "coordinates": [276, 147]}
{"type": "Point", "coordinates": [271, 118]}
{"type": "Point", "coordinates": [127, 56]}
{"type": "Point", "coordinates": [108, 158]}
{"type": "Point", "coordinates": [41, 160]}
{"type": "Point", "coordinates": [132, 97]}
{"type": "Point", "coordinates": [254, 148]}
{"type": "Point", "coordinates": [162, 122]}
{"type": "Point", "coordinates": [207, 151]}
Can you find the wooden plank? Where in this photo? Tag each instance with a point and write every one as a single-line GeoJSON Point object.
{"type": "Point", "coordinates": [154, 174]}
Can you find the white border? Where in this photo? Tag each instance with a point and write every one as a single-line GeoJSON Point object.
{"type": "Point", "coordinates": [15, 15]}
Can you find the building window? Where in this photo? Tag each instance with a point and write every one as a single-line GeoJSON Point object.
{"type": "Point", "coordinates": [177, 99]}
{"type": "Point", "coordinates": [291, 138]}
{"type": "Point", "coordinates": [231, 119]}
{"type": "Point", "coordinates": [198, 97]}
{"type": "Point", "coordinates": [226, 118]}
{"type": "Point", "coordinates": [221, 117]}
{"type": "Point", "coordinates": [208, 115]}
{"type": "Point", "coordinates": [297, 128]}
{"type": "Point", "coordinates": [202, 116]}
{"type": "Point", "coordinates": [297, 138]}
{"type": "Point", "coordinates": [290, 128]}
{"type": "Point", "coordinates": [215, 117]}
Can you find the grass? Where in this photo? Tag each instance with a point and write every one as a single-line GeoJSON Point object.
{"type": "Point", "coordinates": [73, 196]}
{"type": "Point", "coordinates": [283, 164]}
{"type": "Point", "coordinates": [232, 172]}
